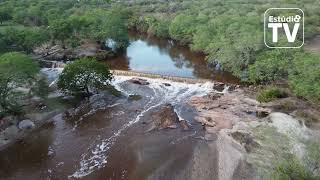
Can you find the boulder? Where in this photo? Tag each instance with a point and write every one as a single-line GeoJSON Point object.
{"type": "Point", "coordinates": [262, 112]}
{"type": "Point", "coordinates": [219, 86]}
{"type": "Point", "coordinates": [184, 125]}
{"type": "Point", "coordinates": [166, 84]}
{"type": "Point", "coordinates": [139, 81]}
{"type": "Point", "coordinates": [26, 124]}
{"type": "Point", "coordinates": [11, 132]}
{"type": "Point", "coordinates": [166, 117]}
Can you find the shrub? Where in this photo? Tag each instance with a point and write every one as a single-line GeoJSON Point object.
{"type": "Point", "coordinates": [304, 77]}
{"type": "Point", "coordinates": [269, 94]}
{"type": "Point", "coordinates": [270, 66]}
{"type": "Point", "coordinates": [182, 28]}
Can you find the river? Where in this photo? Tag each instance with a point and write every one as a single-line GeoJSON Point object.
{"type": "Point", "coordinates": [150, 54]}
{"type": "Point", "coordinates": [112, 142]}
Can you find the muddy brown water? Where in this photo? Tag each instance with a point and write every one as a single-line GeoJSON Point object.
{"type": "Point", "coordinates": [150, 54]}
{"type": "Point", "coordinates": [113, 142]}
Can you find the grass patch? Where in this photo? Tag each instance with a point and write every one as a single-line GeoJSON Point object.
{"type": "Point", "coordinates": [270, 93]}
{"type": "Point", "coordinates": [134, 97]}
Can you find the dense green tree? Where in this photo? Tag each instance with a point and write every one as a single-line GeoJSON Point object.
{"type": "Point", "coordinates": [61, 30]}
{"type": "Point", "coordinates": [84, 75]}
{"type": "Point", "coordinates": [21, 38]}
{"type": "Point", "coordinates": [114, 27]}
{"type": "Point", "coordinates": [271, 65]}
{"type": "Point", "coordinates": [304, 77]}
{"type": "Point", "coordinates": [4, 14]}
{"type": "Point", "coordinates": [182, 28]}
{"type": "Point", "coordinates": [16, 71]}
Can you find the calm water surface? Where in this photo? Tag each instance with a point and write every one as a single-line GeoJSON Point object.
{"type": "Point", "coordinates": [162, 56]}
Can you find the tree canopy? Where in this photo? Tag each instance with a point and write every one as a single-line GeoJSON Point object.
{"type": "Point", "coordinates": [17, 70]}
{"type": "Point", "coordinates": [84, 76]}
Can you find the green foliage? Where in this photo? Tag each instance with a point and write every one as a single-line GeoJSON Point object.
{"type": "Point", "coordinates": [84, 75]}
{"type": "Point", "coordinates": [21, 38]}
{"type": "Point", "coordinates": [67, 21]}
{"type": "Point", "coordinates": [60, 29]}
{"type": "Point", "coordinates": [157, 27]}
{"type": "Point", "coordinates": [291, 168]}
{"type": "Point", "coordinates": [134, 97]}
{"type": "Point", "coordinates": [4, 14]}
{"type": "Point", "coordinates": [270, 66]}
{"type": "Point", "coordinates": [304, 77]}
{"type": "Point", "coordinates": [182, 28]}
{"type": "Point", "coordinates": [41, 88]}
{"type": "Point", "coordinates": [151, 25]}
{"type": "Point", "coordinates": [114, 27]}
{"type": "Point", "coordinates": [16, 71]}
{"type": "Point", "coordinates": [270, 93]}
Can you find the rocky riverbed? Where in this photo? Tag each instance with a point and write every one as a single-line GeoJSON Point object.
{"type": "Point", "coordinates": [160, 129]}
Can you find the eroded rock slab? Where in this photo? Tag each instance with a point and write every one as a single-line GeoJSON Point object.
{"type": "Point", "coordinates": [166, 117]}
{"type": "Point", "coordinates": [222, 111]}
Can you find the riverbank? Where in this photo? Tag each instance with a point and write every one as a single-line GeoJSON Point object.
{"type": "Point", "coordinates": [87, 48]}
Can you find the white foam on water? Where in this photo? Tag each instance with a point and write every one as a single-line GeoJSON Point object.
{"type": "Point", "coordinates": [176, 94]}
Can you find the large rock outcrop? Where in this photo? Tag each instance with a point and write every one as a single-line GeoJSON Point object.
{"type": "Point", "coordinates": [217, 111]}
{"type": "Point", "coordinates": [166, 117]}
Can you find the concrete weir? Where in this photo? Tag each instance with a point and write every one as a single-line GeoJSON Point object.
{"type": "Point", "coordinates": [157, 76]}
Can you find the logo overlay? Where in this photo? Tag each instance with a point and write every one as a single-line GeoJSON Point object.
{"type": "Point", "coordinates": [284, 28]}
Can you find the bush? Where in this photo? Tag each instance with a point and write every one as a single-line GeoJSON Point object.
{"type": "Point", "coordinates": [304, 77]}
{"type": "Point", "coordinates": [182, 28]}
{"type": "Point", "coordinates": [21, 38]}
{"type": "Point", "coordinates": [269, 94]}
{"type": "Point", "coordinates": [270, 66]}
